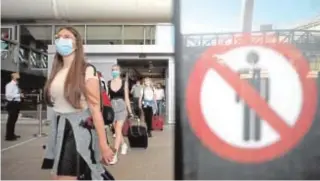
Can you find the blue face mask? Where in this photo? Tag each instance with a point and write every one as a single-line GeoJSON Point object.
{"type": "Point", "coordinates": [64, 46]}
{"type": "Point", "coordinates": [115, 74]}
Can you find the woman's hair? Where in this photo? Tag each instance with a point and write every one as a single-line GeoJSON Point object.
{"type": "Point", "coordinates": [148, 79]}
{"type": "Point", "coordinates": [74, 84]}
{"type": "Point", "coordinates": [116, 65]}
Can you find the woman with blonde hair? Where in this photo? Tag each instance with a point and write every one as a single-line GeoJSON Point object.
{"type": "Point", "coordinates": [73, 92]}
{"type": "Point", "coordinates": [147, 102]}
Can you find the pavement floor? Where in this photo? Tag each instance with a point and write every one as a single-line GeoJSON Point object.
{"type": "Point", "coordinates": [21, 159]}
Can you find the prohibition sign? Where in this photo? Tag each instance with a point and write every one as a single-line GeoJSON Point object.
{"type": "Point", "coordinates": [289, 135]}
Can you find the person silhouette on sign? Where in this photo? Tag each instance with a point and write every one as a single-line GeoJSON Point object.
{"type": "Point", "coordinates": [252, 121]}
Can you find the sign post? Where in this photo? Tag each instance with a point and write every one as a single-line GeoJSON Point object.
{"type": "Point", "coordinates": [245, 110]}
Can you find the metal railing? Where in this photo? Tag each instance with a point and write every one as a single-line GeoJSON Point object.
{"type": "Point", "coordinates": [274, 36]}
{"type": "Point", "coordinates": [32, 106]}
{"type": "Point", "coordinates": [28, 104]}
{"type": "Point", "coordinates": [307, 41]}
{"type": "Point", "coordinates": [22, 55]}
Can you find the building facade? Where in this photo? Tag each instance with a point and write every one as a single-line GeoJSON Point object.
{"type": "Point", "coordinates": [111, 31]}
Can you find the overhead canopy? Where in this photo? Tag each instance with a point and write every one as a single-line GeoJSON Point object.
{"type": "Point", "coordinates": [88, 10]}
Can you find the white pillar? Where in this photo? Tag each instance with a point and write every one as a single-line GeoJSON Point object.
{"type": "Point", "coordinates": [170, 96]}
{"type": "Point", "coordinates": [247, 15]}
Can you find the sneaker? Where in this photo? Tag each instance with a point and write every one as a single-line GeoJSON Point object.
{"type": "Point", "coordinates": [124, 149]}
{"type": "Point", "coordinates": [114, 160]}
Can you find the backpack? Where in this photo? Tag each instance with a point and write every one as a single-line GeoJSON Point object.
{"type": "Point", "coordinates": [104, 96]}
{"type": "Point", "coordinates": [106, 108]}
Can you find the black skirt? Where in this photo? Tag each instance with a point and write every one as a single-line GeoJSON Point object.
{"type": "Point", "coordinates": [70, 162]}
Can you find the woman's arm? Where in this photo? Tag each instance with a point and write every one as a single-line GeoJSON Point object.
{"type": "Point", "coordinates": [93, 98]}
{"type": "Point", "coordinates": [126, 96]}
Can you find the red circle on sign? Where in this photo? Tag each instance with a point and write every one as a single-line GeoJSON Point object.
{"type": "Point", "coordinates": [289, 136]}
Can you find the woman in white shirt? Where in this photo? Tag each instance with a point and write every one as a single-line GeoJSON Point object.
{"type": "Point", "coordinates": [147, 102]}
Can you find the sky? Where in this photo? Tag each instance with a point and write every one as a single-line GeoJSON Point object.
{"type": "Point", "coordinates": [201, 16]}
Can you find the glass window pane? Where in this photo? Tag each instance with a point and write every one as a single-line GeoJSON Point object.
{"type": "Point", "coordinates": [104, 34]}
{"type": "Point", "coordinates": [38, 37]}
{"type": "Point", "coordinates": [133, 35]}
{"type": "Point", "coordinates": [150, 34]}
{"type": "Point", "coordinates": [79, 28]}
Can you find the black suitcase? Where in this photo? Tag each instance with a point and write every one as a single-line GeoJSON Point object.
{"type": "Point", "coordinates": [138, 137]}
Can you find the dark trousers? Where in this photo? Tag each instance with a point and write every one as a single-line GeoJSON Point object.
{"type": "Point", "coordinates": [136, 108]}
{"type": "Point", "coordinates": [148, 113]}
{"type": "Point", "coordinates": [13, 108]}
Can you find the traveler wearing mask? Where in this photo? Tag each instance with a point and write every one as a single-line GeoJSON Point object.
{"type": "Point", "coordinates": [147, 102]}
{"type": "Point", "coordinates": [118, 90]}
{"type": "Point", "coordinates": [73, 92]}
{"type": "Point", "coordinates": [13, 96]}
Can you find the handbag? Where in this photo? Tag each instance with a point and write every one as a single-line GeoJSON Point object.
{"type": "Point", "coordinates": [105, 103]}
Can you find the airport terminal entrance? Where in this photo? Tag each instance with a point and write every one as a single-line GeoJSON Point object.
{"type": "Point", "coordinates": [156, 69]}
{"type": "Point", "coordinates": [156, 63]}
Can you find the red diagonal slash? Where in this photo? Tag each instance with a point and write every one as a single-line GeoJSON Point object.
{"type": "Point", "coordinates": [252, 98]}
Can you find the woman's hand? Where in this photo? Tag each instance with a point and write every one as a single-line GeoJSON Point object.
{"type": "Point", "coordinates": [107, 155]}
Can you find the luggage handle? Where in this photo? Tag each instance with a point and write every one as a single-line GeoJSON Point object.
{"type": "Point", "coordinates": [138, 128]}
{"type": "Point", "coordinates": [135, 135]}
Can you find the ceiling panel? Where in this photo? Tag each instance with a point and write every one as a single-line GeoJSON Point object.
{"type": "Point", "coordinates": [146, 68]}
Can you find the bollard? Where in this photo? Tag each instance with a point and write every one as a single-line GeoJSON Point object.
{"type": "Point", "coordinates": [39, 110]}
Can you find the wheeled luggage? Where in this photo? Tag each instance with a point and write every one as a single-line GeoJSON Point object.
{"type": "Point", "coordinates": [137, 135]}
{"type": "Point", "coordinates": [157, 123]}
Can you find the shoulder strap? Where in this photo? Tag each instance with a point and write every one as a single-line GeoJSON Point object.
{"type": "Point", "coordinates": [95, 74]}
{"type": "Point", "coordinates": [109, 84]}
{"type": "Point", "coordinates": [109, 87]}
{"type": "Point", "coordinates": [94, 68]}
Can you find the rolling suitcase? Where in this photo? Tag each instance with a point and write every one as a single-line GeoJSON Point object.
{"type": "Point", "coordinates": [157, 123]}
{"type": "Point", "coordinates": [137, 135]}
